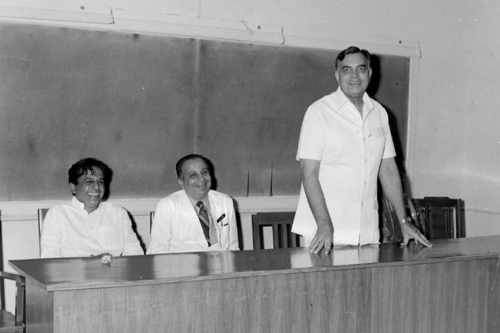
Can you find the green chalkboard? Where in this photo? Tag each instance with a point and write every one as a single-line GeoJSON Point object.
{"type": "Point", "coordinates": [140, 102]}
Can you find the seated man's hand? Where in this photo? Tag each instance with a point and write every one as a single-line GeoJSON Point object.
{"type": "Point", "coordinates": [410, 231]}
{"type": "Point", "coordinates": [323, 239]}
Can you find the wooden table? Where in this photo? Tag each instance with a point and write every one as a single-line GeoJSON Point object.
{"type": "Point", "coordinates": [452, 287]}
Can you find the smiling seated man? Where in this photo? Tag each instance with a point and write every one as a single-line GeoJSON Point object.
{"type": "Point", "coordinates": [87, 226]}
{"type": "Point", "coordinates": [196, 218]}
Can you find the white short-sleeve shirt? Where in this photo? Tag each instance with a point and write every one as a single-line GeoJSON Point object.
{"type": "Point", "coordinates": [350, 148]}
{"type": "Point", "coordinates": [70, 231]}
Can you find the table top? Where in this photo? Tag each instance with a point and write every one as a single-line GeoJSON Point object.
{"type": "Point", "coordinates": [85, 273]}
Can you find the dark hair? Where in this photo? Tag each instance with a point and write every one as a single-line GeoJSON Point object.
{"type": "Point", "coordinates": [352, 50]}
{"type": "Point", "coordinates": [180, 163]}
{"type": "Point", "coordinates": [86, 166]}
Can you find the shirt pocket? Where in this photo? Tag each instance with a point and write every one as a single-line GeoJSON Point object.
{"type": "Point", "coordinates": [376, 141]}
{"type": "Point", "coordinates": [377, 132]}
{"type": "Point", "coordinates": [224, 234]}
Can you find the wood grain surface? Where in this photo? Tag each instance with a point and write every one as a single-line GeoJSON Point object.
{"type": "Point", "coordinates": [452, 287]}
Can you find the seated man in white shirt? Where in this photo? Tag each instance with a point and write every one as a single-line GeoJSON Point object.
{"type": "Point", "coordinates": [195, 218]}
{"type": "Point", "coordinates": [87, 226]}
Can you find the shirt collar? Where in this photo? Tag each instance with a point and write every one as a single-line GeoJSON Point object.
{"type": "Point", "coordinates": [205, 201]}
{"type": "Point", "coordinates": [76, 203]}
{"type": "Point", "coordinates": [367, 101]}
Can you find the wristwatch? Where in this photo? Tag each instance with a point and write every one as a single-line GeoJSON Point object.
{"type": "Point", "coordinates": [406, 220]}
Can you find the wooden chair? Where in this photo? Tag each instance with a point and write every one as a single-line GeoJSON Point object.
{"type": "Point", "coordinates": [441, 217]}
{"type": "Point", "coordinates": [8, 321]}
{"type": "Point", "coordinates": [281, 224]}
{"type": "Point", "coordinates": [42, 212]}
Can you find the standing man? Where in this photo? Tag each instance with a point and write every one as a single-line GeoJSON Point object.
{"type": "Point", "coordinates": [345, 145]}
{"type": "Point", "coordinates": [195, 218]}
{"type": "Point", "coordinates": [87, 226]}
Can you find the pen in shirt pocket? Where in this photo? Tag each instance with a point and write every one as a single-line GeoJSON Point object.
{"type": "Point", "coordinates": [221, 218]}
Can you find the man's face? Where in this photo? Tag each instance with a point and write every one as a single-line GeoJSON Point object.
{"type": "Point", "coordinates": [89, 190]}
{"type": "Point", "coordinates": [353, 75]}
{"type": "Point", "coordinates": [195, 179]}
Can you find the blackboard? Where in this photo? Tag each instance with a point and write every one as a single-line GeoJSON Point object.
{"type": "Point", "coordinates": [140, 102]}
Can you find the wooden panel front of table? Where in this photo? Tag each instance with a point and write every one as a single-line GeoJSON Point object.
{"type": "Point", "coordinates": [452, 287]}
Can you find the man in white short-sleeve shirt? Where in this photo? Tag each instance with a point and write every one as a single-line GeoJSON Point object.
{"type": "Point", "coordinates": [345, 145]}
{"type": "Point", "coordinates": [86, 226]}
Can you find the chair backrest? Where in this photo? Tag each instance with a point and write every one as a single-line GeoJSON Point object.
{"type": "Point", "coordinates": [281, 225]}
{"type": "Point", "coordinates": [8, 321]}
{"type": "Point", "coordinates": [41, 216]}
{"type": "Point", "coordinates": [441, 217]}
{"type": "Point", "coordinates": [151, 218]}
